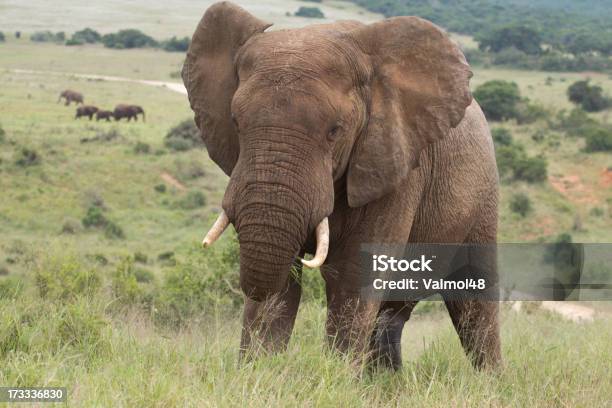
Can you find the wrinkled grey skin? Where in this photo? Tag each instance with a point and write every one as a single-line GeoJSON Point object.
{"type": "Point", "coordinates": [372, 126]}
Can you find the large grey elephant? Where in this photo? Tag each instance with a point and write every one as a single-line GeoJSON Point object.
{"type": "Point", "coordinates": [336, 135]}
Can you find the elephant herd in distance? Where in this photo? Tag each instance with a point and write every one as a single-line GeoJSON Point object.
{"type": "Point", "coordinates": [121, 111]}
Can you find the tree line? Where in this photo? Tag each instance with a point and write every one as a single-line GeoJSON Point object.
{"type": "Point", "coordinates": [122, 39]}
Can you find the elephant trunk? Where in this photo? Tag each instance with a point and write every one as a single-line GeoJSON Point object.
{"type": "Point", "coordinates": [275, 201]}
{"type": "Point", "coordinates": [270, 238]}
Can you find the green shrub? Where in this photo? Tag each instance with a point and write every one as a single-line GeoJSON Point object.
{"type": "Point", "coordinates": [142, 148]}
{"type": "Point", "coordinates": [309, 12]}
{"type": "Point", "coordinates": [94, 218]}
{"type": "Point", "coordinates": [506, 157]}
{"type": "Point", "coordinates": [160, 188]}
{"type": "Point", "coordinates": [2, 135]}
{"type": "Point", "coordinates": [167, 258]}
{"type": "Point", "coordinates": [48, 36]}
{"type": "Point", "coordinates": [519, 37]}
{"type": "Point", "coordinates": [188, 169]}
{"type": "Point", "coordinates": [2, 37]}
{"type": "Point", "coordinates": [193, 200]}
{"type": "Point", "coordinates": [143, 275]}
{"type": "Point", "coordinates": [141, 258]}
{"type": "Point", "coordinates": [501, 136]}
{"type": "Point", "coordinates": [589, 97]}
{"type": "Point", "coordinates": [87, 35]}
{"type": "Point", "coordinates": [203, 282]}
{"type": "Point", "coordinates": [527, 112]}
{"type": "Point", "coordinates": [11, 287]}
{"type": "Point", "coordinates": [124, 284]}
{"type": "Point", "coordinates": [71, 226]}
{"type": "Point", "coordinates": [176, 44]}
{"type": "Point", "coordinates": [113, 231]}
{"type": "Point", "coordinates": [574, 123]}
{"type": "Point", "coordinates": [27, 157]}
{"type": "Point", "coordinates": [130, 38]}
{"type": "Point", "coordinates": [498, 99]}
{"type": "Point", "coordinates": [520, 204]}
{"type": "Point", "coordinates": [65, 279]}
{"type": "Point", "coordinates": [531, 169]}
{"type": "Point", "coordinates": [598, 139]}
{"type": "Point", "coordinates": [184, 136]}
{"type": "Point", "coordinates": [72, 42]}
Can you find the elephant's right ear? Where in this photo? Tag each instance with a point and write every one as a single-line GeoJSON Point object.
{"type": "Point", "coordinates": [210, 76]}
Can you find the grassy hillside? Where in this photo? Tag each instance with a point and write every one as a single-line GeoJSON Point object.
{"type": "Point", "coordinates": [153, 17]}
{"type": "Point", "coordinates": [150, 320]}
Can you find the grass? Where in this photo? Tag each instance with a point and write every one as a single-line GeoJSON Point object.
{"type": "Point", "coordinates": [109, 349]}
{"type": "Point", "coordinates": [120, 358]}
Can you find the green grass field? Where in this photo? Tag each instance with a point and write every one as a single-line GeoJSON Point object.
{"type": "Point", "coordinates": [110, 352]}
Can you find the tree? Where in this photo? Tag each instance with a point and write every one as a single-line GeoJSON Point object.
{"type": "Point", "coordinates": [522, 38]}
{"type": "Point", "coordinates": [590, 97]}
{"type": "Point", "coordinates": [310, 12]}
{"type": "Point", "coordinates": [130, 38]}
{"type": "Point", "coordinates": [498, 99]}
{"type": "Point", "coordinates": [87, 35]}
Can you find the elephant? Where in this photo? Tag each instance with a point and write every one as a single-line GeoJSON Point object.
{"type": "Point", "coordinates": [129, 112]}
{"type": "Point", "coordinates": [104, 114]}
{"type": "Point", "coordinates": [86, 110]}
{"type": "Point", "coordinates": [71, 96]}
{"type": "Point", "coordinates": [335, 135]}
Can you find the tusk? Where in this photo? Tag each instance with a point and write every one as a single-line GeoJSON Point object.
{"type": "Point", "coordinates": [216, 230]}
{"type": "Point", "coordinates": [322, 245]}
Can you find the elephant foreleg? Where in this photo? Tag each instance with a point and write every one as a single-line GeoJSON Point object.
{"type": "Point", "coordinates": [385, 344]}
{"type": "Point", "coordinates": [267, 325]}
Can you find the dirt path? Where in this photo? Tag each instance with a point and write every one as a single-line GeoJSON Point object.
{"type": "Point", "coordinates": [171, 86]}
{"type": "Point", "coordinates": [569, 310]}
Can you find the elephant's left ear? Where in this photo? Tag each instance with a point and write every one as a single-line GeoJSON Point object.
{"type": "Point", "coordinates": [419, 91]}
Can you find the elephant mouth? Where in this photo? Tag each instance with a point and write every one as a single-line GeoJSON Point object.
{"type": "Point", "coordinates": [321, 233]}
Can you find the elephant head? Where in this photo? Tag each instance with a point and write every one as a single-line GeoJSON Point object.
{"type": "Point", "coordinates": [301, 118]}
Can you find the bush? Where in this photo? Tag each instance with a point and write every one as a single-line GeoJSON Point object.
{"type": "Point", "coordinates": [193, 200]}
{"type": "Point", "coordinates": [498, 99]}
{"type": "Point", "coordinates": [184, 136]}
{"type": "Point", "coordinates": [142, 148]}
{"type": "Point", "coordinates": [94, 218]}
{"type": "Point", "coordinates": [113, 231]}
{"type": "Point", "coordinates": [598, 139]}
{"type": "Point", "coordinates": [527, 112]}
{"type": "Point", "coordinates": [309, 12]}
{"type": "Point", "coordinates": [506, 157]}
{"type": "Point", "coordinates": [531, 169]}
{"type": "Point", "coordinates": [501, 136]}
{"type": "Point", "coordinates": [124, 284]}
{"type": "Point", "coordinates": [574, 123]}
{"type": "Point", "coordinates": [48, 36]}
{"type": "Point", "coordinates": [519, 37]}
{"type": "Point", "coordinates": [204, 281]}
{"type": "Point", "coordinates": [589, 97]}
{"type": "Point", "coordinates": [189, 169]}
{"type": "Point", "coordinates": [130, 38]}
{"type": "Point", "coordinates": [2, 135]}
{"type": "Point", "coordinates": [520, 204]}
{"type": "Point", "coordinates": [160, 188]}
{"type": "Point", "coordinates": [141, 258]}
{"type": "Point", "coordinates": [2, 37]}
{"type": "Point", "coordinates": [87, 35]}
{"type": "Point", "coordinates": [71, 226]}
{"type": "Point", "coordinates": [176, 44]}
{"type": "Point", "coordinates": [27, 157]}
{"type": "Point", "coordinates": [65, 279]}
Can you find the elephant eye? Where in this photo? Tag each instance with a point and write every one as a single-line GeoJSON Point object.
{"type": "Point", "coordinates": [334, 133]}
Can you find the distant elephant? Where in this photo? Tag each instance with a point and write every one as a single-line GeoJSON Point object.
{"type": "Point", "coordinates": [86, 110]}
{"type": "Point", "coordinates": [129, 112]}
{"type": "Point", "coordinates": [333, 136]}
{"type": "Point", "coordinates": [104, 114]}
{"type": "Point", "coordinates": [71, 96]}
